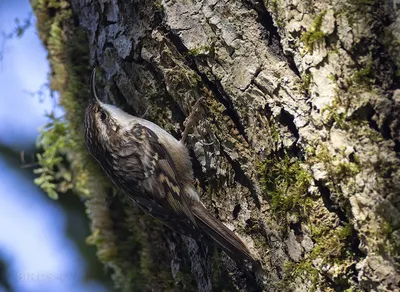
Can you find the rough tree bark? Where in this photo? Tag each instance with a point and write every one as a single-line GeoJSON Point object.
{"type": "Point", "coordinates": [296, 149]}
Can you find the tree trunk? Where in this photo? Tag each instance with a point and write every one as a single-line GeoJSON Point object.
{"type": "Point", "coordinates": [296, 147]}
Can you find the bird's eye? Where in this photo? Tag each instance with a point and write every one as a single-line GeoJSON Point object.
{"type": "Point", "coordinates": [103, 116]}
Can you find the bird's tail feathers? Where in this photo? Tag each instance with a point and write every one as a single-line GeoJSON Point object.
{"type": "Point", "coordinates": [228, 240]}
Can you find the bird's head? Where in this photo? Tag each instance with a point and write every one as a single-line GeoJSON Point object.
{"type": "Point", "coordinates": [103, 123]}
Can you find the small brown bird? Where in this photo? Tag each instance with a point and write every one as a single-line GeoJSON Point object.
{"type": "Point", "coordinates": [154, 169]}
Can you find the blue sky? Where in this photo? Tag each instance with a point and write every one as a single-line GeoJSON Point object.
{"type": "Point", "coordinates": [23, 69]}
{"type": "Point", "coordinates": [32, 229]}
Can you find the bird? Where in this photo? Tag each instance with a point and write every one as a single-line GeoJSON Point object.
{"type": "Point", "coordinates": [154, 169]}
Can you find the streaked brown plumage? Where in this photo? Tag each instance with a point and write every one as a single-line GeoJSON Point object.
{"type": "Point", "coordinates": [154, 169]}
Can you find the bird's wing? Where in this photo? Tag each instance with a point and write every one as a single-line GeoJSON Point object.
{"type": "Point", "coordinates": [160, 175]}
{"type": "Point", "coordinates": [161, 185]}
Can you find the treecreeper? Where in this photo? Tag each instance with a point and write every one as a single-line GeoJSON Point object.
{"type": "Point", "coordinates": [154, 169]}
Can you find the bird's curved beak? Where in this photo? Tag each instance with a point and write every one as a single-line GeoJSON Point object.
{"type": "Point", "coordinates": [93, 87]}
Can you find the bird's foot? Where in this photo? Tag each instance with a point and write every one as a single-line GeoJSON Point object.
{"type": "Point", "coordinates": [191, 120]}
{"type": "Point", "coordinates": [146, 112]}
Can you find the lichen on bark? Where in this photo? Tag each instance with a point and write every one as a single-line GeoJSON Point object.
{"type": "Point", "coordinates": [296, 148]}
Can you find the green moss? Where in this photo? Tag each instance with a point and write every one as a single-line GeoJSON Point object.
{"type": "Point", "coordinates": [334, 113]}
{"type": "Point", "coordinates": [345, 169]}
{"type": "Point", "coordinates": [311, 37]}
{"type": "Point", "coordinates": [286, 185]}
{"type": "Point", "coordinates": [354, 9]}
{"type": "Point", "coordinates": [203, 50]}
{"type": "Point", "coordinates": [332, 77]}
{"type": "Point", "coordinates": [359, 3]}
{"type": "Point", "coordinates": [339, 168]}
{"type": "Point", "coordinates": [332, 247]}
{"type": "Point", "coordinates": [364, 76]}
{"type": "Point", "coordinates": [180, 76]}
{"type": "Point", "coordinates": [274, 134]}
{"type": "Point", "coordinates": [105, 254]}
{"type": "Point", "coordinates": [303, 269]}
{"type": "Point", "coordinates": [284, 182]}
{"type": "Point", "coordinates": [274, 6]}
{"type": "Point", "coordinates": [54, 140]}
{"type": "Point", "coordinates": [318, 20]}
{"type": "Point", "coordinates": [385, 241]}
{"type": "Point", "coordinates": [61, 139]}
{"type": "Point", "coordinates": [306, 82]}
{"type": "Point", "coordinates": [314, 35]}
{"type": "Point", "coordinates": [158, 5]}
